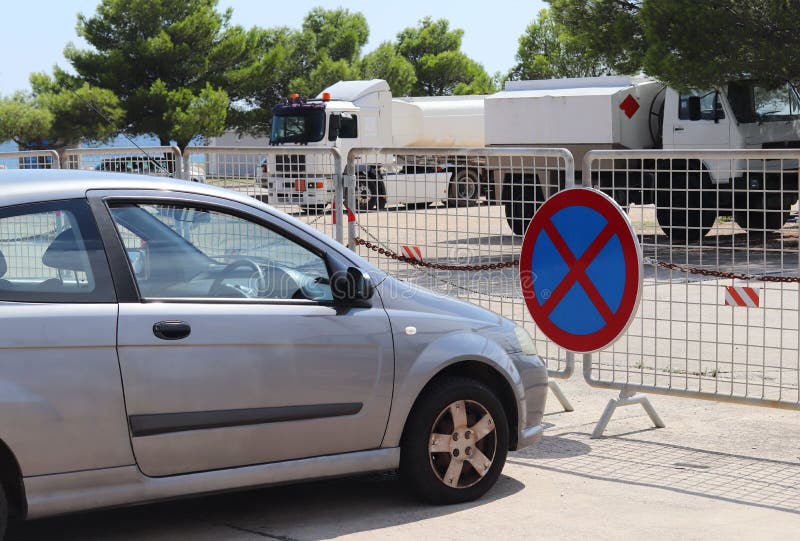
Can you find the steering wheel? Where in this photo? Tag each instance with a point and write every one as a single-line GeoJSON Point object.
{"type": "Point", "coordinates": [218, 289]}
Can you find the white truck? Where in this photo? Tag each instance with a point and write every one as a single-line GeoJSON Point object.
{"type": "Point", "coordinates": [641, 113]}
{"type": "Point", "coordinates": [576, 114]}
{"type": "Point", "coordinates": [352, 114]}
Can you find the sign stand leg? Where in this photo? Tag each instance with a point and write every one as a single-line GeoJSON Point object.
{"type": "Point", "coordinates": [555, 388]}
{"type": "Point", "coordinates": [626, 398]}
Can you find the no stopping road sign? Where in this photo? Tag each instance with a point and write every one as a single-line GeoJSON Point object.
{"type": "Point", "coordinates": [581, 270]}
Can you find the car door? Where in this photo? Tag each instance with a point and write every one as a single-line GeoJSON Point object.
{"type": "Point", "coordinates": [234, 352]}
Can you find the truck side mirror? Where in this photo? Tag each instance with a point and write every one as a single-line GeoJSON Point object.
{"type": "Point", "coordinates": [333, 127]}
{"type": "Point", "coordinates": [695, 113]}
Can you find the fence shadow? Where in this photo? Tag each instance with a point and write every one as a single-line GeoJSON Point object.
{"type": "Point", "coordinates": [740, 479]}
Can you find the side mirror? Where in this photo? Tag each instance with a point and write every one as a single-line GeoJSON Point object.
{"type": "Point", "coordinates": [351, 286]}
{"type": "Point", "coordinates": [695, 112]}
{"type": "Point", "coordinates": [333, 127]}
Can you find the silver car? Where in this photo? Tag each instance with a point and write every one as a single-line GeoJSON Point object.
{"type": "Point", "coordinates": [162, 338]}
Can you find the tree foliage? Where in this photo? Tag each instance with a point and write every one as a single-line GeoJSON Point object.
{"type": "Point", "coordinates": [688, 43]}
{"type": "Point", "coordinates": [440, 67]}
{"type": "Point", "coordinates": [58, 113]}
{"type": "Point", "coordinates": [160, 57]}
{"type": "Point", "coordinates": [386, 63]}
{"type": "Point", "coordinates": [546, 51]}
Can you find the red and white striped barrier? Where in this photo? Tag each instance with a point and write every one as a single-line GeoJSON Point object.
{"type": "Point", "coordinates": [413, 252]}
{"type": "Point", "coordinates": [742, 296]}
{"type": "Point", "coordinates": [351, 216]}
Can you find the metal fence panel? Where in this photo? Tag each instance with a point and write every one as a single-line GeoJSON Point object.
{"type": "Point", "coordinates": [300, 181]}
{"type": "Point", "coordinates": [153, 161]}
{"type": "Point", "coordinates": [30, 159]}
{"type": "Point", "coordinates": [719, 312]}
{"type": "Point", "coordinates": [453, 221]}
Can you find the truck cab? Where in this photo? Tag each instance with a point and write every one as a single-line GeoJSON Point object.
{"type": "Point", "coordinates": [743, 115]}
{"type": "Point", "coordinates": [346, 115]}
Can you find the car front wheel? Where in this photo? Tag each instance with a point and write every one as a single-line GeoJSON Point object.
{"type": "Point", "coordinates": [456, 442]}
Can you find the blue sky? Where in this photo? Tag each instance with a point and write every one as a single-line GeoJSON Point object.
{"type": "Point", "coordinates": [34, 35]}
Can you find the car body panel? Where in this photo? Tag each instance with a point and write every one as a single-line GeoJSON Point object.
{"type": "Point", "coordinates": [78, 491]}
{"type": "Point", "coordinates": [61, 404]}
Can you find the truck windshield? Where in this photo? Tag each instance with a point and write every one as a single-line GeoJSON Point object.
{"type": "Point", "coordinates": [753, 101]}
{"type": "Point", "coordinates": [298, 126]}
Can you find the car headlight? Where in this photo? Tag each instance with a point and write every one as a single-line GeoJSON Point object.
{"type": "Point", "coordinates": [526, 345]}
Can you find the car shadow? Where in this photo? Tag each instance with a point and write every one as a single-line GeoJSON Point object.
{"type": "Point", "coordinates": [315, 510]}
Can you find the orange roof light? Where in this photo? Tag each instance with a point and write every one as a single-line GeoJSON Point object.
{"type": "Point", "coordinates": [326, 96]}
{"type": "Point", "coordinates": [294, 96]}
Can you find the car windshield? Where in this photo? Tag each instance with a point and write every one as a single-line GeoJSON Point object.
{"type": "Point", "coordinates": [298, 126]}
{"type": "Point", "coordinates": [753, 101]}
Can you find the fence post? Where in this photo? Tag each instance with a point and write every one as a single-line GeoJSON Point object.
{"type": "Point", "coordinates": [338, 197]}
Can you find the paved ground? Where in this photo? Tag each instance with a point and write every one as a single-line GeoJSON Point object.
{"type": "Point", "coordinates": [716, 472]}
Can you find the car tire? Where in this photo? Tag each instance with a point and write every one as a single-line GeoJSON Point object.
{"type": "Point", "coordinates": [454, 467]}
{"type": "Point", "coordinates": [464, 189]}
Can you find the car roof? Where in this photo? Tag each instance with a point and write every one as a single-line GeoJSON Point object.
{"type": "Point", "coordinates": [20, 186]}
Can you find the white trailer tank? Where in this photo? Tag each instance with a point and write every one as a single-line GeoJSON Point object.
{"type": "Point", "coordinates": [598, 112]}
{"type": "Point", "coordinates": [438, 121]}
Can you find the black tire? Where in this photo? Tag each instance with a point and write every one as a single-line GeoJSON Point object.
{"type": "Point", "coordinates": [464, 189]}
{"type": "Point", "coordinates": [685, 206]}
{"type": "Point", "coordinates": [425, 471]}
{"type": "Point", "coordinates": [761, 217]}
{"type": "Point", "coordinates": [368, 195]}
{"type": "Point", "coordinates": [521, 198]}
{"type": "Point", "coordinates": [3, 512]}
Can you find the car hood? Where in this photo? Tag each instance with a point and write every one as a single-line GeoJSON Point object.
{"type": "Point", "coordinates": [402, 296]}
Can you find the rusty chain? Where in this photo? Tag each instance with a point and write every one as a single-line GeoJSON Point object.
{"type": "Point", "coordinates": [515, 263]}
{"type": "Point", "coordinates": [720, 274]}
{"type": "Point", "coordinates": [428, 265]}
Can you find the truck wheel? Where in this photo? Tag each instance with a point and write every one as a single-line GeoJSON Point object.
{"type": "Point", "coordinates": [367, 195]}
{"type": "Point", "coordinates": [760, 217]}
{"type": "Point", "coordinates": [455, 443]}
{"type": "Point", "coordinates": [684, 213]}
{"type": "Point", "coordinates": [464, 189]}
{"type": "Point", "coordinates": [521, 197]}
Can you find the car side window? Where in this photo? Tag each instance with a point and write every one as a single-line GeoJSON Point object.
{"type": "Point", "coordinates": [51, 252]}
{"type": "Point", "coordinates": [190, 252]}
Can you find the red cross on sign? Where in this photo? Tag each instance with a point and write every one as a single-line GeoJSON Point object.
{"type": "Point", "coordinates": [581, 270]}
{"type": "Point", "coordinates": [629, 106]}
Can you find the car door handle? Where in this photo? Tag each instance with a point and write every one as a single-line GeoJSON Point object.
{"type": "Point", "coordinates": [172, 330]}
{"type": "Point", "coordinates": [678, 129]}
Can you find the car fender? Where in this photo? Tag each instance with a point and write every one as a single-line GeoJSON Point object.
{"type": "Point", "coordinates": [412, 374]}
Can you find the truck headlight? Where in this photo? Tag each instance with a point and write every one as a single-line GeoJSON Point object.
{"type": "Point", "coordinates": [526, 345]}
